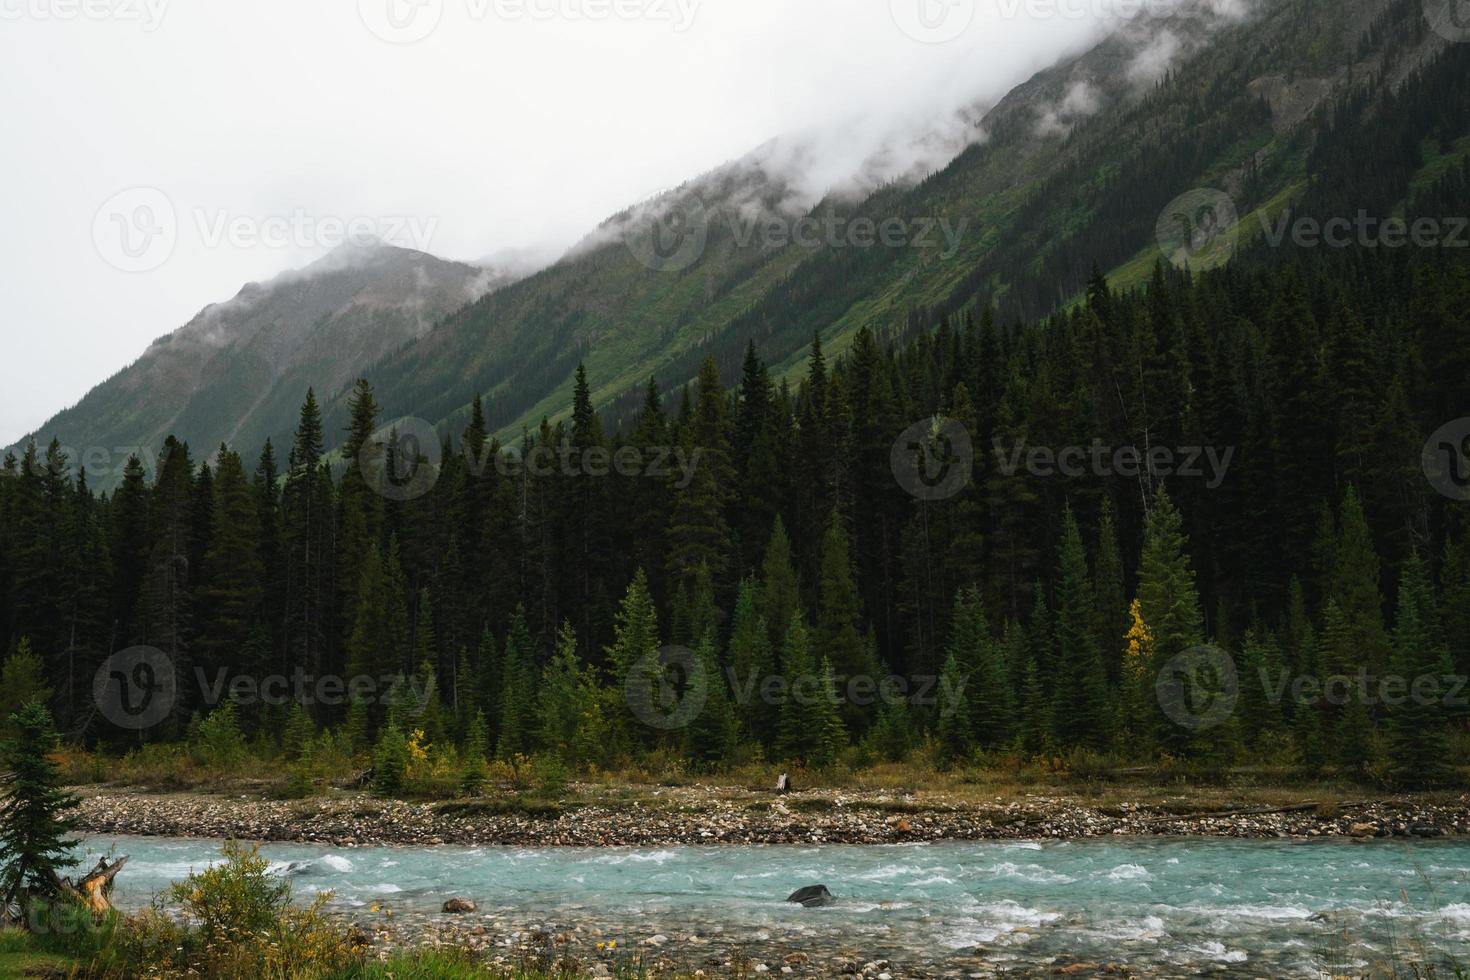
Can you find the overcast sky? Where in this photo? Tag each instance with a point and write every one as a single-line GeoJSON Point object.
{"type": "Point", "coordinates": [258, 130]}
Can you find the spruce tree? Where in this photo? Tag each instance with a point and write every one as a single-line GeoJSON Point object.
{"type": "Point", "coordinates": [837, 637]}
{"type": "Point", "coordinates": [1169, 604]}
{"type": "Point", "coordinates": [780, 592]}
{"type": "Point", "coordinates": [751, 664]}
{"type": "Point", "coordinates": [991, 701]}
{"type": "Point", "coordinates": [560, 699]}
{"type": "Point", "coordinates": [476, 768]}
{"type": "Point", "coordinates": [1417, 722]}
{"type": "Point", "coordinates": [635, 646]}
{"type": "Point", "coordinates": [517, 689]}
{"type": "Point", "coordinates": [713, 731]}
{"type": "Point", "coordinates": [795, 733]}
{"type": "Point", "coordinates": [829, 735]}
{"type": "Point", "coordinates": [955, 730]}
{"type": "Point", "coordinates": [36, 813]}
{"type": "Point", "coordinates": [22, 681]}
{"type": "Point", "coordinates": [1081, 703]}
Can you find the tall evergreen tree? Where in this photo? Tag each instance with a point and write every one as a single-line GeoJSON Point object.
{"type": "Point", "coordinates": [36, 813]}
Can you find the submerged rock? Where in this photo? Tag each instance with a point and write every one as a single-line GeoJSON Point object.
{"type": "Point", "coordinates": [812, 896]}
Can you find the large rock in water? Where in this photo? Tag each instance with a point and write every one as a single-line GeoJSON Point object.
{"type": "Point", "coordinates": [459, 906]}
{"type": "Point", "coordinates": [812, 896]}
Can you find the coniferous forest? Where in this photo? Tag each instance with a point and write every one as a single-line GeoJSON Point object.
{"type": "Point", "coordinates": [1209, 490]}
{"type": "Point", "coordinates": [516, 600]}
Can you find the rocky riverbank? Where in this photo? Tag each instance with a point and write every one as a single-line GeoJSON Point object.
{"type": "Point", "coordinates": [699, 815]}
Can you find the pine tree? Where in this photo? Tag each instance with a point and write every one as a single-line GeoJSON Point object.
{"type": "Point", "coordinates": [713, 731]}
{"type": "Point", "coordinates": [1081, 702]}
{"type": "Point", "coordinates": [359, 506]}
{"type": "Point", "coordinates": [795, 734]}
{"type": "Point", "coordinates": [1262, 667]}
{"type": "Point", "coordinates": [837, 636]}
{"type": "Point", "coordinates": [476, 769]}
{"type": "Point", "coordinates": [517, 689]}
{"type": "Point", "coordinates": [378, 646]}
{"type": "Point", "coordinates": [298, 733]}
{"type": "Point", "coordinates": [560, 698]}
{"type": "Point", "coordinates": [635, 647]}
{"type": "Point", "coordinates": [35, 814]}
{"type": "Point", "coordinates": [1036, 721]}
{"type": "Point", "coordinates": [1169, 604]}
{"type": "Point", "coordinates": [955, 730]}
{"type": "Point", "coordinates": [988, 693]}
{"type": "Point", "coordinates": [698, 532]}
{"type": "Point", "coordinates": [780, 592]}
{"type": "Point", "coordinates": [1110, 600]}
{"type": "Point", "coordinates": [22, 681]}
{"type": "Point", "coordinates": [390, 761]}
{"type": "Point", "coordinates": [232, 565]}
{"type": "Point", "coordinates": [1353, 587]}
{"type": "Point", "coordinates": [828, 733]}
{"type": "Point", "coordinates": [307, 532]}
{"type": "Point", "coordinates": [1417, 723]}
{"type": "Point", "coordinates": [891, 737]}
{"type": "Point", "coordinates": [751, 665]}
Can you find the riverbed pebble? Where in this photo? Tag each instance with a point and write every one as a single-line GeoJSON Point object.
{"type": "Point", "coordinates": [703, 815]}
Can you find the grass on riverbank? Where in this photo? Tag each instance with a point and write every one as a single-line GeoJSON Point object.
{"type": "Point", "coordinates": [535, 789]}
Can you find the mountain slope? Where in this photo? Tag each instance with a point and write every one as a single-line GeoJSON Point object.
{"type": "Point", "coordinates": [1073, 167]}
{"type": "Point", "coordinates": [236, 373]}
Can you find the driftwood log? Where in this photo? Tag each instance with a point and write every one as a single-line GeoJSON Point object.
{"type": "Point", "coordinates": [94, 890]}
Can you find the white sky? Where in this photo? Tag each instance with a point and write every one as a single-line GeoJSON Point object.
{"type": "Point", "coordinates": [513, 123]}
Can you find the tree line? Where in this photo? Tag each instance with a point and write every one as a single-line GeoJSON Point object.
{"type": "Point", "coordinates": [792, 549]}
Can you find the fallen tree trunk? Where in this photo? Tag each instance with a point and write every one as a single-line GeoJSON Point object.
{"type": "Point", "coordinates": [95, 889]}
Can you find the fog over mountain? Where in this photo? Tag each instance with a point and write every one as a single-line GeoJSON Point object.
{"type": "Point", "coordinates": [300, 128]}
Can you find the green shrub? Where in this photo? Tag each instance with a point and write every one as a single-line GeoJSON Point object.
{"type": "Point", "coordinates": [234, 921]}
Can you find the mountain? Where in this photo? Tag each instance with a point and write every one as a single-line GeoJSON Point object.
{"type": "Point", "coordinates": [237, 371]}
{"type": "Point", "coordinates": [1070, 170]}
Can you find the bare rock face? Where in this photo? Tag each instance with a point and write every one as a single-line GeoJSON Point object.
{"type": "Point", "coordinates": [459, 906]}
